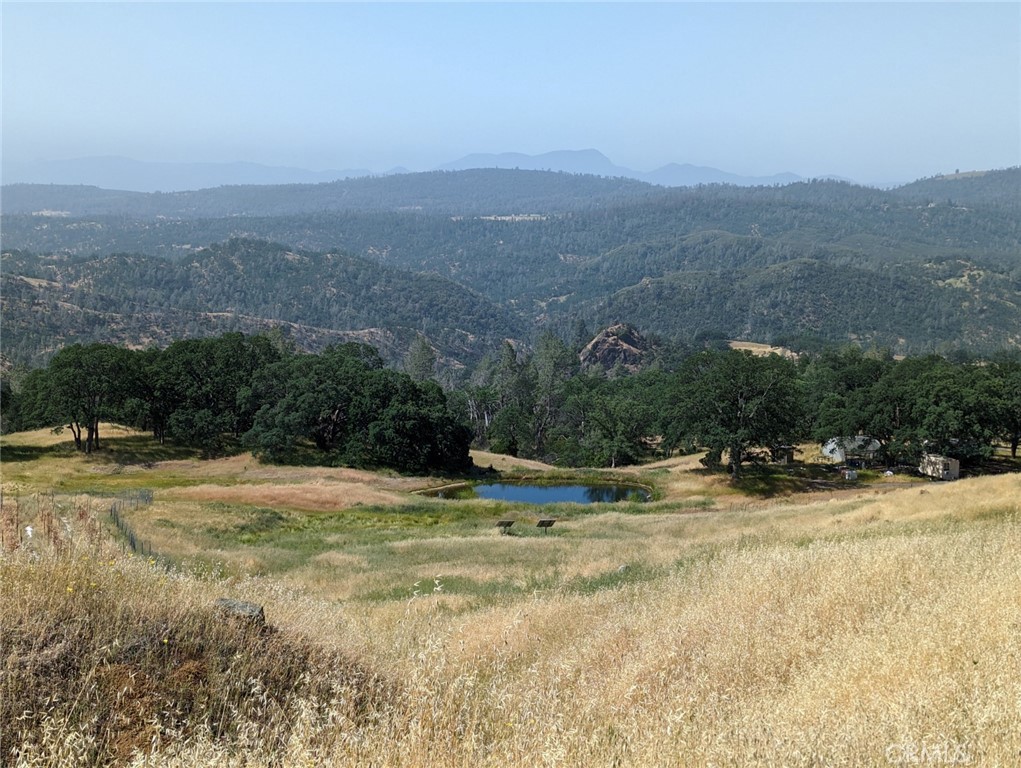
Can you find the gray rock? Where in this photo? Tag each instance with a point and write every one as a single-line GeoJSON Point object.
{"type": "Point", "coordinates": [238, 609]}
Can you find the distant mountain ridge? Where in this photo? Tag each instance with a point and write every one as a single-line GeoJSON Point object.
{"type": "Point", "coordinates": [997, 187]}
{"type": "Point", "coordinates": [475, 192]}
{"type": "Point", "coordinates": [121, 173]}
{"type": "Point", "coordinates": [567, 161]}
{"type": "Point", "coordinates": [688, 175]}
{"type": "Point", "coordinates": [592, 161]}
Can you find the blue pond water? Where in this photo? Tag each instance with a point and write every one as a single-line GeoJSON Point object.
{"type": "Point", "coordinates": [551, 494]}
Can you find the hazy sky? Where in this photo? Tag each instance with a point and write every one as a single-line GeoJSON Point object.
{"type": "Point", "coordinates": [875, 92]}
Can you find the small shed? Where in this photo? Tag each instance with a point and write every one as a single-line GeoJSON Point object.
{"type": "Point", "coordinates": [940, 467]}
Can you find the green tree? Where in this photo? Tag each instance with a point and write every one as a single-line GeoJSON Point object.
{"type": "Point", "coordinates": [552, 366]}
{"type": "Point", "coordinates": [9, 401]}
{"type": "Point", "coordinates": [958, 411]}
{"type": "Point", "coordinates": [499, 402]}
{"type": "Point", "coordinates": [510, 431]}
{"type": "Point", "coordinates": [930, 405]}
{"type": "Point", "coordinates": [355, 412]}
{"type": "Point", "coordinates": [81, 386]}
{"type": "Point", "coordinates": [206, 386]}
{"type": "Point", "coordinates": [317, 398]}
{"type": "Point", "coordinates": [621, 422]}
{"type": "Point", "coordinates": [1006, 372]}
{"type": "Point", "coordinates": [838, 386]}
{"type": "Point", "coordinates": [731, 401]}
{"type": "Point", "coordinates": [420, 362]}
{"type": "Point", "coordinates": [149, 403]}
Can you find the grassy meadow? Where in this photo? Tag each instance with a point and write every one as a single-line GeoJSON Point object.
{"type": "Point", "coordinates": [794, 620]}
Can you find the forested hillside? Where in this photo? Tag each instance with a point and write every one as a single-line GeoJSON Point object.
{"type": "Point", "coordinates": [470, 258]}
{"type": "Point", "coordinates": [479, 191]}
{"type": "Point", "coordinates": [317, 298]}
{"type": "Point", "coordinates": [1001, 188]}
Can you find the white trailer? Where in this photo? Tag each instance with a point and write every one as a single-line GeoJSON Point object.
{"type": "Point", "coordinates": [940, 467]}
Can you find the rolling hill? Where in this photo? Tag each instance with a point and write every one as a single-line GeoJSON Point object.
{"type": "Point", "coordinates": [469, 258]}
{"type": "Point", "coordinates": [469, 192]}
{"type": "Point", "coordinates": [315, 298]}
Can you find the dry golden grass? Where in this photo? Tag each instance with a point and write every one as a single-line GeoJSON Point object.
{"type": "Point", "coordinates": [308, 497]}
{"type": "Point", "coordinates": [49, 438]}
{"type": "Point", "coordinates": [124, 463]}
{"type": "Point", "coordinates": [863, 627]}
{"type": "Point", "coordinates": [243, 468]}
{"type": "Point", "coordinates": [503, 463]}
{"type": "Point", "coordinates": [106, 657]}
{"type": "Point", "coordinates": [844, 651]}
{"type": "Point", "coordinates": [841, 652]}
{"type": "Point", "coordinates": [762, 350]}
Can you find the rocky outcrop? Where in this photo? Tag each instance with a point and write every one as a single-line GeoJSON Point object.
{"type": "Point", "coordinates": [619, 345]}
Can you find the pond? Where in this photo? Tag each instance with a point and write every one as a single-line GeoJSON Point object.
{"type": "Point", "coordinates": [547, 494]}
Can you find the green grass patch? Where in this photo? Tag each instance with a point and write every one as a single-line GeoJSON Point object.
{"type": "Point", "coordinates": [112, 482]}
{"type": "Point", "coordinates": [259, 522]}
{"type": "Point", "coordinates": [483, 593]}
{"type": "Point", "coordinates": [123, 463]}
{"type": "Point", "coordinates": [1006, 513]}
{"type": "Point", "coordinates": [23, 453]}
{"type": "Point", "coordinates": [363, 525]}
{"type": "Point", "coordinates": [625, 574]}
{"type": "Point", "coordinates": [697, 558]}
{"type": "Point", "coordinates": [660, 508]}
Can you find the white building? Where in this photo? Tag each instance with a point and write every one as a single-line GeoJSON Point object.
{"type": "Point", "coordinates": [940, 467]}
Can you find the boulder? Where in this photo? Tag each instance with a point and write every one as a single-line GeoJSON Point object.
{"type": "Point", "coordinates": [239, 610]}
{"type": "Point", "coordinates": [618, 345]}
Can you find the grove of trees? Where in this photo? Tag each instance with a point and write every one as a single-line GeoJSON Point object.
{"type": "Point", "coordinates": [344, 406]}
{"type": "Point", "coordinates": [736, 406]}
{"type": "Point", "coordinates": [216, 394]}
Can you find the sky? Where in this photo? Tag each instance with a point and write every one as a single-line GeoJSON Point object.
{"type": "Point", "coordinates": [875, 92]}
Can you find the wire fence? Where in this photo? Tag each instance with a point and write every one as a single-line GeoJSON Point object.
{"type": "Point", "coordinates": [131, 500]}
{"type": "Point", "coordinates": [64, 522]}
